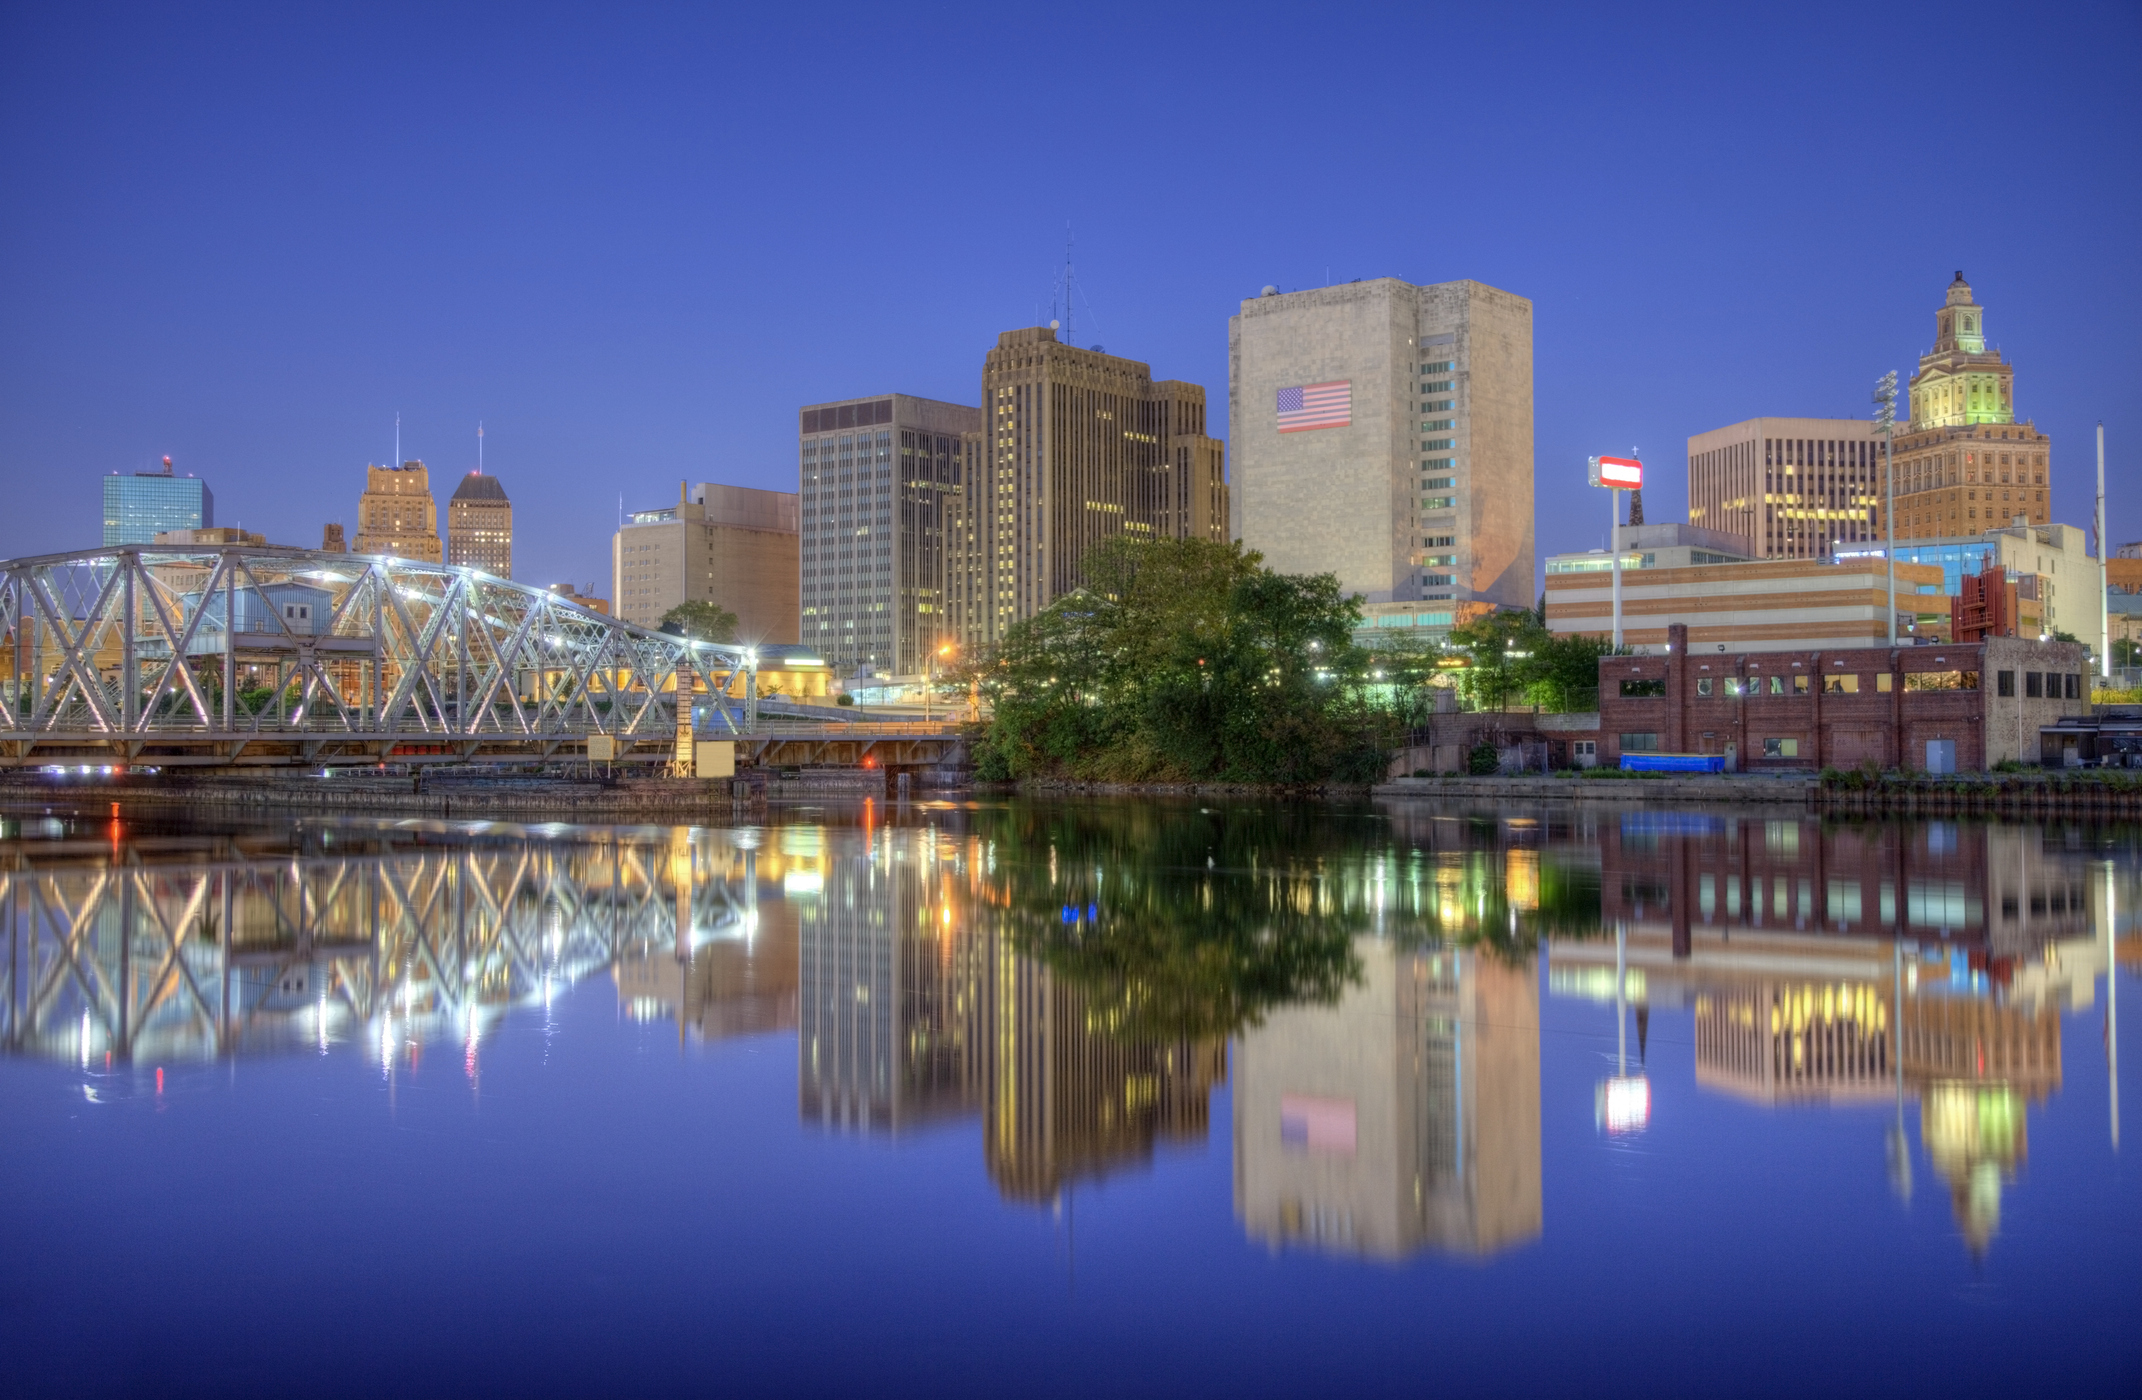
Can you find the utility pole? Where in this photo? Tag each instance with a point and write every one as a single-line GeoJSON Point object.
{"type": "Point", "coordinates": [1885, 418]}
{"type": "Point", "coordinates": [2104, 571]}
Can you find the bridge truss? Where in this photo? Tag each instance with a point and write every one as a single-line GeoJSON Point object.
{"type": "Point", "coordinates": [259, 655]}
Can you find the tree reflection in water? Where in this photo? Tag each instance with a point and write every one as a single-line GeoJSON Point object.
{"type": "Point", "coordinates": [1181, 920]}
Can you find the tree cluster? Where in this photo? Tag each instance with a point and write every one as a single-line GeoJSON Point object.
{"type": "Point", "coordinates": [1511, 656]}
{"type": "Point", "coordinates": [700, 621]}
{"type": "Point", "coordinates": [1187, 660]}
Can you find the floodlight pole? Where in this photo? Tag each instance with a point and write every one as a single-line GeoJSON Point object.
{"type": "Point", "coordinates": [1885, 418]}
{"type": "Point", "coordinates": [1613, 497]}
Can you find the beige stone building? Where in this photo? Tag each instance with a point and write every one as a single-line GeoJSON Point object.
{"type": "Point", "coordinates": [880, 482]}
{"type": "Point", "coordinates": [732, 545]}
{"type": "Point", "coordinates": [1765, 605]}
{"type": "Point", "coordinates": [1964, 464]}
{"type": "Point", "coordinates": [479, 526]}
{"type": "Point", "coordinates": [1382, 432]}
{"type": "Point", "coordinates": [1791, 488]}
{"type": "Point", "coordinates": [1076, 447]}
{"type": "Point", "coordinates": [396, 514]}
{"type": "Point", "coordinates": [1405, 1117]}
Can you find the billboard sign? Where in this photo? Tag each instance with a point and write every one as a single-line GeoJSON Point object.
{"type": "Point", "coordinates": [1621, 473]}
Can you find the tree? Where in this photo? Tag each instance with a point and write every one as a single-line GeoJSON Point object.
{"type": "Point", "coordinates": [1187, 659]}
{"type": "Point", "coordinates": [1502, 649]}
{"type": "Point", "coordinates": [1567, 669]}
{"type": "Point", "coordinates": [700, 621]}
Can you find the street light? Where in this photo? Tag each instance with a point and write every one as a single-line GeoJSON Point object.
{"type": "Point", "coordinates": [929, 688]}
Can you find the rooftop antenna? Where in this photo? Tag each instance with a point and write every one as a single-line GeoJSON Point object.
{"type": "Point", "coordinates": [479, 447]}
{"type": "Point", "coordinates": [1068, 337]}
{"type": "Point", "coordinates": [397, 463]}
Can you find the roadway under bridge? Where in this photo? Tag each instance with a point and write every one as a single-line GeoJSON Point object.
{"type": "Point", "coordinates": [259, 656]}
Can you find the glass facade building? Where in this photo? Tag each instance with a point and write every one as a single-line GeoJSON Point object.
{"type": "Point", "coordinates": [139, 507]}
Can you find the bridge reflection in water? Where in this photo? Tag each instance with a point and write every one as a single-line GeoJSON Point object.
{"type": "Point", "coordinates": [168, 948]}
{"type": "Point", "coordinates": [1078, 982]}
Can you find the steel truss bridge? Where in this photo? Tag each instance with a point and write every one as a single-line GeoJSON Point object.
{"type": "Point", "coordinates": [117, 951]}
{"type": "Point", "coordinates": [157, 656]}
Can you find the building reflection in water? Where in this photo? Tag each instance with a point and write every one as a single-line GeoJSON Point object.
{"type": "Point", "coordinates": [1405, 1117]}
{"type": "Point", "coordinates": [1075, 982]}
{"type": "Point", "coordinates": [1864, 963]}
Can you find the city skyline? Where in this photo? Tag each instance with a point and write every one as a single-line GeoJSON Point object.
{"type": "Point", "coordinates": [653, 359]}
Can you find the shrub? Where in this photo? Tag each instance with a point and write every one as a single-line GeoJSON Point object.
{"type": "Point", "coordinates": [1482, 760]}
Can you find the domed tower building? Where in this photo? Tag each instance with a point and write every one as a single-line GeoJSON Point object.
{"type": "Point", "coordinates": [1964, 464]}
{"type": "Point", "coordinates": [479, 526]}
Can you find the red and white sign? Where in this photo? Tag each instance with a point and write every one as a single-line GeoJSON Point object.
{"type": "Point", "coordinates": [1621, 473]}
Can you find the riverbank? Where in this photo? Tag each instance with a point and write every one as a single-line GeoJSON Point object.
{"type": "Point", "coordinates": [2107, 794]}
{"type": "Point", "coordinates": [505, 796]}
{"type": "Point", "coordinates": [1314, 792]}
{"type": "Point", "coordinates": [1736, 788]}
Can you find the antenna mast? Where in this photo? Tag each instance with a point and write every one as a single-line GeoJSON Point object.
{"type": "Point", "coordinates": [479, 447]}
{"type": "Point", "coordinates": [397, 462]}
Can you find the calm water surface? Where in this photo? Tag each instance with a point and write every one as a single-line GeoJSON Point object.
{"type": "Point", "coordinates": [1068, 1099]}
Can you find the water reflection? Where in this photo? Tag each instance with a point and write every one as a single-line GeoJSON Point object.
{"type": "Point", "coordinates": [1075, 982]}
{"type": "Point", "coordinates": [1842, 964]}
{"type": "Point", "coordinates": [1404, 1116]}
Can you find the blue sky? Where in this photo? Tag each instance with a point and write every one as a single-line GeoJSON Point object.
{"type": "Point", "coordinates": [633, 240]}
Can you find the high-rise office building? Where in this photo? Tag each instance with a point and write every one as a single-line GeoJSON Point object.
{"type": "Point", "coordinates": [1792, 488]}
{"type": "Point", "coordinates": [1076, 447]}
{"type": "Point", "coordinates": [879, 480]}
{"type": "Point", "coordinates": [1964, 464]}
{"type": "Point", "coordinates": [479, 526]}
{"type": "Point", "coordinates": [1382, 432]}
{"type": "Point", "coordinates": [732, 545]}
{"type": "Point", "coordinates": [331, 540]}
{"type": "Point", "coordinates": [140, 506]}
{"type": "Point", "coordinates": [396, 514]}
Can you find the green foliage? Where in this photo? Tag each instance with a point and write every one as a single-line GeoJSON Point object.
{"type": "Point", "coordinates": [1198, 933]}
{"type": "Point", "coordinates": [1481, 760]}
{"type": "Point", "coordinates": [1511, 656]}
{"type": "Point", "coordinates": [1186, 660]}
{"type": "Point", "coordinates": [844, 698]}
{"type": "Point", "coordinates": [701, 622]}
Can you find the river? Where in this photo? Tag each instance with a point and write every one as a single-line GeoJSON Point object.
{"type": "Point", "coordinates": [1044, 1098]}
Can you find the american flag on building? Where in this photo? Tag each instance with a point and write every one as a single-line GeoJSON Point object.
{"type": "Point", "coordinates": [1316, 406]}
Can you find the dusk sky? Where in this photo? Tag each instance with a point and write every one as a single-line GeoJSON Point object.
{"type": "Point", "coordinates": [632, 241]}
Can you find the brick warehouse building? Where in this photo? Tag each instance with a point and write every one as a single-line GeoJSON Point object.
{"type": "Point", "coordinates": [1927, 708]}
